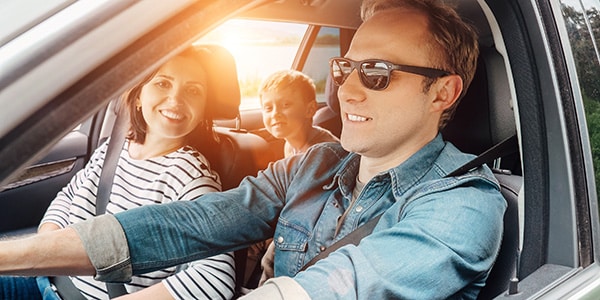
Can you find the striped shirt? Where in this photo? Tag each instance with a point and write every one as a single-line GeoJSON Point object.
{"type": "Point", "coordinates": [180, 175]}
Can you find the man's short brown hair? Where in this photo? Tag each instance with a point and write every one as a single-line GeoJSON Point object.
{"type": "Point", "coordinates": [453, 42]}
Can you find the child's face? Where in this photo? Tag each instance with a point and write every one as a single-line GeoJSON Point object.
{"type": "Point", "coordinates": [285, 112]}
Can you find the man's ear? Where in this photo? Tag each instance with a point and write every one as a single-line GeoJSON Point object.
{"type": "Point", "coordinates": [447, 90]}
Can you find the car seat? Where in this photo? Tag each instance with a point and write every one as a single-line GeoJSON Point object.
{"type": "Point", "coordinates": [483, 119]}
{"type": "Point", "coordinates": [505, 266]}
{"type": "Point", "coordinates": [240, 153]}
{"type": "Point", "coordinates": [328, 116]}
{"type": "Point", "coordinates": [484, 116]}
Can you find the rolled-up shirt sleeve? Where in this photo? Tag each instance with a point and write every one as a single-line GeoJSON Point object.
{"type": "Point", "coordinates": [108, 252]}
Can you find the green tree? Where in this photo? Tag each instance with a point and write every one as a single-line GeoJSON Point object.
{"type": "Point", "coordinates": [583, 32]}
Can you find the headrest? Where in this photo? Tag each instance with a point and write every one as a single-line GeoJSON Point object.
{"type": "Point", "coordinates": [328, 116]}
{"type": "Point", "coordinates": [484, 116]}
{"type": "Point", "coordinates": [224, 89]}
{"type": "Point", "coordinates": [332, 99]}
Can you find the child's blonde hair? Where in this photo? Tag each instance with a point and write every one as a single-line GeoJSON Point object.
{"type": "Point", "coordinates": [280, 80]}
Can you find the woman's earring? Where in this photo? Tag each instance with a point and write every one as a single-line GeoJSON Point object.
{"type": "Point", "coordinates": [138, 107]}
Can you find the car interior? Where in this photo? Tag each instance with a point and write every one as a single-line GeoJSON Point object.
{"type": "Point", "coordinates": [494, 109]}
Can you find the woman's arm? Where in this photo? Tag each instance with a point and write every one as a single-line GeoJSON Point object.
{"type": "Point", "coordinates": [209, 278]}
{"type": "Point", "coordinates": [156, 292]}
{"type": "Point", "coordinates": [217, 281]}
{"type": "Point", "coordinates": [45, 227]}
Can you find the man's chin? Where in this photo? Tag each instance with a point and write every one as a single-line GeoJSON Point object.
{"type": "Point", "coordinates": [351, 145]}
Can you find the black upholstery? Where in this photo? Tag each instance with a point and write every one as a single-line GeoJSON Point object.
{"type": "Point", "coordinates": [328, 116]}
{"type": "Point", "coordinates": [240, 153]}
{"type": "Point", "coordinates": [505, 266]}
{"type": "Point", "coordinates": [484, 116]}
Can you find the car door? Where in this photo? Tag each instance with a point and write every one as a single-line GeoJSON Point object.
{"type": "Point", "coordinates": [556, 102]}
{"type": "Point", "coordinates": [50, 60]}
{"type": "Point", "coordinates": [24, 199]}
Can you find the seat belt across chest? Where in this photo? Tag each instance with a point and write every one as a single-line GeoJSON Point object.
{"type": "Point", "coordinates": [115, 146]}
{"type": "Point", "coordinates": [501, 149]}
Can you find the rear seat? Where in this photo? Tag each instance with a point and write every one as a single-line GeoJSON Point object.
{"type": "Point", "coordinates": [240, 152]}
{"type": "Point", "coordinates": [328, 116]}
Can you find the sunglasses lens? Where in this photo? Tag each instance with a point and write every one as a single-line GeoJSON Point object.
{"type": "Point", "coordinates": [375, 74]}
{"type": "Point", "coordinates": [340, 70]}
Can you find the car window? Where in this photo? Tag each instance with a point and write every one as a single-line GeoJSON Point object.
{"type": "Point", "coordinates": [582, 20]}
{"type": "Point", "coordinates": [326, 45]}
{"type": "Point", "coordinates": [259, 48]}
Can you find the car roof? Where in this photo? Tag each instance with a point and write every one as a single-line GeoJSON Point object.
{"type": "Point", "coordinates": [346, 13]}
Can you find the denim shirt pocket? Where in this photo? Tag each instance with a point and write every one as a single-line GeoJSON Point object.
{"type": "Point", "coordinates": [291, 242]}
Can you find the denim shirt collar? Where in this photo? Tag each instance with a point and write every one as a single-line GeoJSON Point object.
{"type": "Point", "coordinates": [403, 176]}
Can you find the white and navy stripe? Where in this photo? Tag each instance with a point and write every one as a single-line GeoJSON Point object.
{"type": "Point", "coordinates": [180, 175]}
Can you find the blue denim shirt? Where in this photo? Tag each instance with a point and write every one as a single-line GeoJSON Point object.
{"type": "Point", "coordinates": [437, 238]}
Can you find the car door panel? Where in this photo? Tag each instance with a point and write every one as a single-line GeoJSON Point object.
{"type": "Point", "coordinates": [24, 200]}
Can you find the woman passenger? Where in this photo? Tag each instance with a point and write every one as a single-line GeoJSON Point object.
{"type": "Point", "coordinates": [160, 162]}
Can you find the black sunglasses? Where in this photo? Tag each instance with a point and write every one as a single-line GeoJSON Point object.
{"type": "Point", "coordinates": [375, 74]}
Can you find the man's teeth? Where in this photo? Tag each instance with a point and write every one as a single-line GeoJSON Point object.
{"type": "Point", "coordinates": [356, 118]}
{"type": "Point", "coordinates": [171, 115]}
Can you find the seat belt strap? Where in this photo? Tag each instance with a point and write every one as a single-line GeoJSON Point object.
{"type": "Point", "coordinates": [501, 149]}
{"type": "Point", "coordinates": [107, 175]}
{"type": "Point", "coordinates": [115, 146]}
{"type": "Point", "coordinates": [353, 238]}
{"type": "Point", "coordinates": [63, 284]}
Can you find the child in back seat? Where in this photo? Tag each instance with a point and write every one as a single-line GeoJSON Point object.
{"type": "Point", "coordinates": [288, 101]}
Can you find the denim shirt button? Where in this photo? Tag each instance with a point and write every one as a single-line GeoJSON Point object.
{"type": "Point", "coordinates": [280, 239]}
{"type": "Point", "coordinates": [359, 208]}
{"type": "Point", "coordinates": [322, 248]}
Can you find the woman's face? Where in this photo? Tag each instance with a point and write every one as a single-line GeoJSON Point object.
{"type": "Point", "coordinates": [174, 100]}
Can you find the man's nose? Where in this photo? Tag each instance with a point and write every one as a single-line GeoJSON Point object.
{"type": "Point", "coordinates": [352, 89]}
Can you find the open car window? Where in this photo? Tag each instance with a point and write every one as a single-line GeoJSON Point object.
{"type": "Point", "coordinates": [582, 21]}
{"type": "Point", "coordinates": [259, 48]}
{"type": "Point", "coordinates": [263, 47]}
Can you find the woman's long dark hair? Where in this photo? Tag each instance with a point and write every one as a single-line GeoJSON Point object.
{"type": "Point", "coordinates": [202, 138]}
